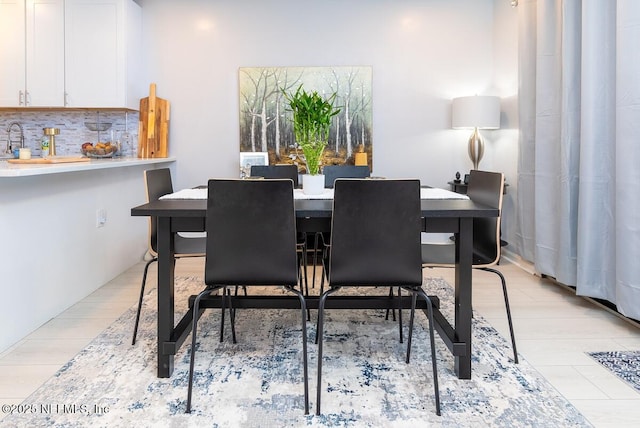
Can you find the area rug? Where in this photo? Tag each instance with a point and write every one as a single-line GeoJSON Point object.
{"type": "Point", "coordinates": [624, 364]}
{"type": "Point", "coordinates": [257, 382]}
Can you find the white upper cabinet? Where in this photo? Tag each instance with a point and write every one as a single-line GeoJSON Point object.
{"type": "Point", "coordinates": [102, 53]}
{"type": "Point", "coordinates": [45, 53]}
{"type": "Point", "coordinates": [32, 46]}
{"type": "Point", "coordinates": [12, 44]}
{"type": "Point", "coordinates": [70, 53]}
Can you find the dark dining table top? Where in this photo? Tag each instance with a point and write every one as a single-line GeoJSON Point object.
{"type": "Point", "coordinates": [314, 208]}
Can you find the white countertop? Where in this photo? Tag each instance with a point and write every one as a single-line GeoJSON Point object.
{"type": "Point", "coordinates": [21, 170]}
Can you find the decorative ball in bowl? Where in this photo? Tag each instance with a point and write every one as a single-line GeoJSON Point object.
{"type": "Point", "coordinates": [99, 150]}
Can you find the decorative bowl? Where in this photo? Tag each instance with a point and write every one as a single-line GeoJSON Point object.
{"type": "Point", "coordinates": [99, 152]}
{"type": "Point", "coordinates": [97, 126]}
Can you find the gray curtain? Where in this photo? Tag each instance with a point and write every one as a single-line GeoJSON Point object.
{"type": "Point", "coordinates": [579, 162]}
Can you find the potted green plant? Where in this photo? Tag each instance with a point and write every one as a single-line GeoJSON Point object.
{"type": "Point", "coordinates": [312, 115]}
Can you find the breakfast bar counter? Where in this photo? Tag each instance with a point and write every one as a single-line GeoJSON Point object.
{"type": "Point", "coordinates": [66, 231]}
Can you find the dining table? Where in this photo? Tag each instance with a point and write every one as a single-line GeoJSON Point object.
{"type": "Point", "coordinates": [442, 212]}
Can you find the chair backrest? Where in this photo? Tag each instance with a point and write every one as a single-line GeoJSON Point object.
{"type": "Point", "coordinates": [251, 233]}
{"type": "Point", "coordinates": [375, 233]}
{"type": "Point", "coordinates": [276, 171]}
{"type": "Point", "coordinates": [157, 183]}
{"type": "Point", "coordinates": [333, 172]}
{"type": "Point", "coordinates": [486, 188]}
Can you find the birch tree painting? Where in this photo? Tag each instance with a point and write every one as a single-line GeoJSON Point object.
{"type": "Point", "coordinates": [265, 123]}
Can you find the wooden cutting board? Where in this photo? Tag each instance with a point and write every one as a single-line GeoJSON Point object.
{"type": "Point", "coordinates": [153, 126]}
{"type": "Point", "coordinates": [51, 160]}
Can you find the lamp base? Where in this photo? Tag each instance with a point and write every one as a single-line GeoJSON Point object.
{"type": "Point", "coordinates": [476, 148]}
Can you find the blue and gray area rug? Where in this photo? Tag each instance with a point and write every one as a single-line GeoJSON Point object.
{"type": "Point", "coordinates": [257, 382]}
{"type": "Point", "coordinates": [624, 364]}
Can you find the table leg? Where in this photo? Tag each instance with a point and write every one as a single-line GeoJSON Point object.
{"type": "Point", "coordinates": [463, 285]}
{"type": "Point", "coordinates": [166, 264]}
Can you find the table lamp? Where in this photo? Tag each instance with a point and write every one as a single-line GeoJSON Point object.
{"type": "Point", "coordinates": [475, 112]}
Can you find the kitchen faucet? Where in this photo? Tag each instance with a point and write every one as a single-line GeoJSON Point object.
{"type": "Point", "coordinates": [9, 128]}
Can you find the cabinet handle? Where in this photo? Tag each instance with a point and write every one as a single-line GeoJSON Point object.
{"type": "Point", "coordinates": [65, 99]}
{"type": "Point", "coordinates": [21, 98]}
{"type": "Point", "coordinates": [27, 98]}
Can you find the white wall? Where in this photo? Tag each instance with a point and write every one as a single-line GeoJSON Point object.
{"type": "Point", "coordinates": [423, 53]}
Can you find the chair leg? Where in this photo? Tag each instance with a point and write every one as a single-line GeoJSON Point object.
{"type": "Point", "coordinates": [434, 363]}
{"type": "Point", "coordinates": [414, 297]}
{"type": "Point", "coordinates": [316, 242]}
{"type": "Point", "coordinates": [433, 350]}
{"type": "Point", "coordinates": [321, 293]}
{"type": "Point", "coordinates": [300, 261]}
{"type": "Point", "coordinates": [223, 297]}
{"type": "Point", "coordinates": [322, 277]}
{"type": "Point", "coordinates": [393, 311]}
{"type": "Point", "coordinates": [304, 311]}
{"type": "Point", "coordinates": [508, 308]}
{"type": "Point", "coordinates": [232, 314]}
{"type": "Point", "coordinates": [321, 302]}
{"type": "Point", "coordinates": [144, 281]}
{"type": "Point", "coordinates": [305, 261]}
{"type": "Point", "coordinates": [400, 313]}
{"type": "Point", "coordinates": [194, 327]}
{"type": "Point", "coordinates": [302, 275]}
{"type": "Point", "coordinates": [226, 296]}
{"type": "Point", "coordinates": [325, 271]}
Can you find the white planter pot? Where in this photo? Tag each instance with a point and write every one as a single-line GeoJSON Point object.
{"type": "Point", "coordinates": [312, 184]}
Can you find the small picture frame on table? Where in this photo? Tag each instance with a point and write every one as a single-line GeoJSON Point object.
{"type": "Point", "coordinates": [466, 179]}
{"type": "Point", "coordinates": [248, 159]}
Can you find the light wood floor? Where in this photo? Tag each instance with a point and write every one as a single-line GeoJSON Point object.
{"type": "Point", "coordinates": [554, 329]}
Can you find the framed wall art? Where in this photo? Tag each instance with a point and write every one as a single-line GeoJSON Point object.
{"type": "Point", "coordinates": [265, 119]}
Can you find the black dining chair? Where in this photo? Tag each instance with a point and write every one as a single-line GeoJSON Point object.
{"type": "Point", "coordinates": [158, 183]}
{"type": "Point", "coordinates": [256, 247]}
{"type": "Point", "coordinates": [276, 171]}
{"type": "Point", "coordinates": [375, 241]}
{"type": "Point", "coordinates": [333, 172]}
{"type": "Point", "coordinates": [486, 188]}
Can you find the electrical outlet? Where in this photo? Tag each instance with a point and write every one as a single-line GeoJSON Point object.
{"type": "Point", "coordinates": [101, 217]}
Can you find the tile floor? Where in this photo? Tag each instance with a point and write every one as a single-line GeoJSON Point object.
{"type": "Point", "coordinates": [554, 329]}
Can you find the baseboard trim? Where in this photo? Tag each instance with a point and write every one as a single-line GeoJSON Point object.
{"type": "Point", "coordinates": [529, 267]}
{"type": "Point", "coordinates": [604, 304]}
{"type": "Point", "coordinates": [523, 264]}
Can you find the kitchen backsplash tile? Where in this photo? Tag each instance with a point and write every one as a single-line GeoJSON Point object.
{"type": "Point", "coordinates": [73, 131]}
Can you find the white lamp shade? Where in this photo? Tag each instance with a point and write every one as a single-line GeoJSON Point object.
{"type": "Point", "coordinates": [481, 112]}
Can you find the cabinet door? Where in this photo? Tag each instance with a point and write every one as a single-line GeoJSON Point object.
{"type": "Point", "coordinates": [45, 53]}
{"type": "Point", "coordinates": [95, 60]}
{"type": "Point", "coordinates": [12, 45]}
